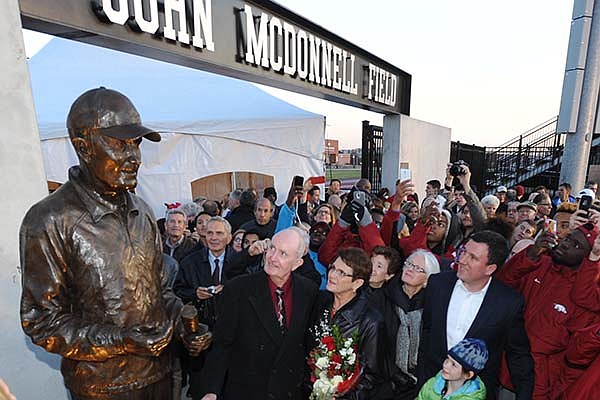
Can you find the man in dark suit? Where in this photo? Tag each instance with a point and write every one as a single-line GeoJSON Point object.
{"type": "Point", "coordinates": [313, 200]}
{"type": "Point", "coordinates": [200, 281]}
{"type": "Point", "coordinates": [261, 337]}
{"type": "Point", "coordinates": [469, 303]}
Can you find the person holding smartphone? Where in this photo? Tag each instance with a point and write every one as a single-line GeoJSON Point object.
{"type": "Point", "coordinates": [545, 274]}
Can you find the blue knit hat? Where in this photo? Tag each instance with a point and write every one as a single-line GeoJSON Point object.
{"type": "Point", "coordinates": [472, 354]}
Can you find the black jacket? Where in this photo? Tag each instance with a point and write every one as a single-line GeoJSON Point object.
{"type": "Point", "coordinates": [264, 231]}
{"type": "Point", "coordinates": [359, 316]}
{"type": "Point", "coordinates": [194, 271]}
{"type": "Point", "coordinates": [188, 245]}
{"type": "Point", "coordinates": [250, 358]}
{"type": "Point", "coordinates": [240, 216]}
{"type": "Point", "coordinates": [385, 300]}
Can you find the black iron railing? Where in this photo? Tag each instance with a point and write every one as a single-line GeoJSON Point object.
{"type": "Point", "coordinates": [521, 158]}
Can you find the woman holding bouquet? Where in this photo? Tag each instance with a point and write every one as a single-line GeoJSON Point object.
{"type": "Point", "coordinates": [347, 312]}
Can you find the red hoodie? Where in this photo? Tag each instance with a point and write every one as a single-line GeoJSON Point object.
{"type": "Point", "coordinates": [551, 315]}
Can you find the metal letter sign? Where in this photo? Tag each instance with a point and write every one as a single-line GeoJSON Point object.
{"type": "Point", "coordinates": [257, 40]}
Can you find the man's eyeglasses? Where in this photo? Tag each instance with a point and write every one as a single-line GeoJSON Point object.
{"type": "Point", "coordinates": [338, 272]}
{"type": "Point", "coordinates": [414, 267]}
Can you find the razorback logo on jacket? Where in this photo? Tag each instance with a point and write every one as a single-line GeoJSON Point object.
{"type": "Point", "coordinates": [560, 308]}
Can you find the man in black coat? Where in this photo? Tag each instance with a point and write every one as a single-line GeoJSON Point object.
{"type": "Point", "coordinates": [263, 223]}
{"type": "Point", "coordinates": [469, 303]}
{"type": "Point", "coordinates": [244, 212]}
{"type": "Point", "coordinates": [261, 338]}
{"type": "Point", "coordinates": [200, 281]}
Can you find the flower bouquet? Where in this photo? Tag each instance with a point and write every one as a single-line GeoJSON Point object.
{"type": "Point", "coordinates": [334, 364]}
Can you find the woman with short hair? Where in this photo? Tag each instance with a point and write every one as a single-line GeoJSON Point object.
{"type": "Point", "coordinates": [402, 307]}
{"type": "Point", "coordinates": [343, 304]}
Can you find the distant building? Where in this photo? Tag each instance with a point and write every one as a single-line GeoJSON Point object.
{"type": "Point", "coordinates": [349, 157]}
{"type": "Point", "coordinates": [331, 151]}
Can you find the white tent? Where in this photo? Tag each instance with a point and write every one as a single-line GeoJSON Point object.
{"type": "Point", "coordinates": [210, 124]}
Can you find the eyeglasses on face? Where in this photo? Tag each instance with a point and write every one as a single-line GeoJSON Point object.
{"type": "Point", "coordinates": [338, 272]}
{"type": "Point", "coordinates": [414, 267]}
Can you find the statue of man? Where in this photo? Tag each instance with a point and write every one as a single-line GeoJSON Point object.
{"type": "Point", "coordinates": [93, 283]}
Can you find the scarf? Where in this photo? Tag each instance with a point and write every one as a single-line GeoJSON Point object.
{"type": "Point", "coordinates": [407, 340]}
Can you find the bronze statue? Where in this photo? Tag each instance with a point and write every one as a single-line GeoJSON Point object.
{"type": "Point", "coordinates": [93, 287]}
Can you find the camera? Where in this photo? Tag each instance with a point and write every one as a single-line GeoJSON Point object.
{"type": "Point", "coordinates": [359, 197]}
{"type": "Point", "coordinates": [456, 170]}
{"type": "Point", "coordinates": [211, 289]}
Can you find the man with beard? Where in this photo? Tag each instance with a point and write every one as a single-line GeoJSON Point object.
{"type": "Point", "coordinates": [544, 274]}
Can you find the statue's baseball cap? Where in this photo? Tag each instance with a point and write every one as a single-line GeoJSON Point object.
{"type": "Point", "coordinates": [110, 113]}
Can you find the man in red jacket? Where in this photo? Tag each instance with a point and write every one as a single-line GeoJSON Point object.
{"type": "Point", "coordinates": [354, 228]}
{"type": "Point", "coordinates": [545, 277]}
{"type": "Point", "coordinates": [581, 369]}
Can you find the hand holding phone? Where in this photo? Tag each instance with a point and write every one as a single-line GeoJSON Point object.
{"type": "Point", "coordinates": [585, 203]}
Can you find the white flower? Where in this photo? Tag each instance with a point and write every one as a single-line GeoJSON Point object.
{"type": "Point", "coordinates": [348, 343]}
{"type": "Point", "coordinates": [322, 363]}
{"type": "Point", "coordinates": [324, 387]}
{"type": "Point", "coordinates": [336, 380]}
{"type": "Point", "coordinates": [351, 358]}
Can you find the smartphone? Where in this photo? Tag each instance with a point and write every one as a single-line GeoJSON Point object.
{"type": "Point", "coordinates": [405, 174]}
{"type": "Point", "coordinates": [585, 203]}
{"type": "Point", "coordinates": [550, 225]}
{"type": "Point", "coordinates": [299, 181]}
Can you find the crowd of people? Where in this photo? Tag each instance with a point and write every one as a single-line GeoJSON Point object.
{"type": "Point", "coordinates": [451, 296]}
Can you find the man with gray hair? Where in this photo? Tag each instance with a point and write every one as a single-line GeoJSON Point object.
{"type": "Point", "coordinates": [175, 242]}
{"type": "Point", "coordinates": [244, 212]}
{"type": "Point", "coordinates": [200, 281]}
{"type": "Point", "coordinates": [261, 334]}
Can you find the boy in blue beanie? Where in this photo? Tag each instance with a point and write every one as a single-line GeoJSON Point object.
{"type": "Point", "coordinates": [458, 378]}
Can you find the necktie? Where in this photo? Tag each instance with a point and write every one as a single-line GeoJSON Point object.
{"type": "Point", "coordinates": [281, 310]}
{"type": "Point", "coordinates": [216, 273]}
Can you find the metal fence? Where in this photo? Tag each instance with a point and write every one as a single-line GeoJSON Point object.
{"type": "Point", "coordinates": [475, 157]}
{"type": "Point", "coordinates": [372, 153]}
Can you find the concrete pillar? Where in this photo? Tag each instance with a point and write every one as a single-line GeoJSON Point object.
{"type": "Point", "coordinates": [30, 372]}
{"type": "Point", "coordinates": [577, 145]}
{"type": "Point", "coordinates": [420, 145]}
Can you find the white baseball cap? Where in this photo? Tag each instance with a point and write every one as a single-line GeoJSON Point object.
{"type": "Point", "coordinates": [584, 192]}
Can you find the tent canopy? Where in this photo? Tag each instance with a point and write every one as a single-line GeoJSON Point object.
{"type": "Point", "coordinates": [210, 124]}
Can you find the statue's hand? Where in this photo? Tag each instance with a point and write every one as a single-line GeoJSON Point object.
{"type": "Point", "coordinates": [148, 339]}
{"type": "Point", "coordinates": [197, 344]}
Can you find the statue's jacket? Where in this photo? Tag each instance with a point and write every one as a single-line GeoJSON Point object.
{"type": "Point", "coordinates": [90, 271]}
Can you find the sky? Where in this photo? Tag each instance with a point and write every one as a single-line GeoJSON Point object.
{"type": "Point", "coordinates": [489, 70]}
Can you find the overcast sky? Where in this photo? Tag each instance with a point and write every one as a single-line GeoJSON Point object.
{"type": "Point", "coordinates": [489, 70]}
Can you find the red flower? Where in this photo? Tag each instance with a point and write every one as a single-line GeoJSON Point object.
{"type": "Point", "coordinates": [336, 358]}
{"type": "Point", "coordinates": [328, 342]}
{"type": "Point", "coordinates": [331, 371]}
{"type": "Point", "coordinates": [313, 378]}
{"type": "Point", "coordinates": [351, 382]}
